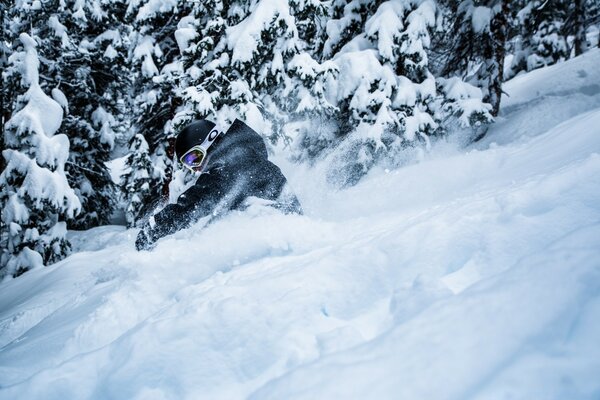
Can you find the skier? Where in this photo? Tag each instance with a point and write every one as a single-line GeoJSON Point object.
{"type": "Point", "coordinates": [234, 167]}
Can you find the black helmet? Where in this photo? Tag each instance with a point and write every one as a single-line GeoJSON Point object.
{"type": "Point", "coordinates": [192, 135]}
{"type": "Point", "coordinates": [198, 134]}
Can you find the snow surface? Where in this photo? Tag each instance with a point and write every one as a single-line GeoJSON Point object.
{"type": "Point", "coordinates": [472, 274]}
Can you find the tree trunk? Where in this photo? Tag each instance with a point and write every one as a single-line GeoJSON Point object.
{"type": "Point", "coordinates": [580, 42]}
{"type": "Point", "coordinates": [499, 31]}
{"type": "Point", "coordinates": [170, 150]}
{"type": "Point", "coordinates": [3, 102]}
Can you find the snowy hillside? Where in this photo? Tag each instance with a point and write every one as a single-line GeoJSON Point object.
{"type": "Point", "coordinates": [480, 282]}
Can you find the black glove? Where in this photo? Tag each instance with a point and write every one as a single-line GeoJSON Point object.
{"type": "Point", "coordinates": [145, 239]}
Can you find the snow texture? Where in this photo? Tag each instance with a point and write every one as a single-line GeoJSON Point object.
{"type": "Point", "coordinates": [186, 32]}
{"type": "Point", "coordinates": [481, 19]}
{"type": "Point", "coordinates": [468, 275]}
{"type": "Point", "coordinates": [243, 39]}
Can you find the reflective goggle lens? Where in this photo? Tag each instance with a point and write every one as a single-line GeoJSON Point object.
{"type": "Point", "coordinates": [193, 158]}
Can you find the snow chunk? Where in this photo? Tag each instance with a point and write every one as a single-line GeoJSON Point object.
{"type": "Point", "coordinates": [79, 12]}
{"type": "Point", "coordinates": [144, 49]}
{"type": "Point", "coordinates": [186, 32]}
{"type": "Point", "coordinates": [481, 18]}
{"type": "Point", "coordinates": [113, 35]}
{"type": "Point", "coordinates": [244, 37]}
{"type": "Point", "coordinates": [360, 68]}
{"type": "Point", "coordinates": [153, 7]}
{"type": "Point", "coordinates": [27, 61]}
{"type": "Point", "coordinates": [60, 98]}
{"type": "Point", "coordinates": [42, 184]}
{"type": "Point", "coordinates": [417, 123]}
{"type": "Point", "coordinates": [456, 89]}
{"type": "Point", "coordinates": [27, 258]}
{"type": "Point", "coordinates": [203, 100]}
{"type": "Point", "coordinates": [385, 26]}
{"type": "Point", "coordinates": [105, 120]}
{"type": "Point", "coordinates": [41, 114]}
{"type": "Point", "coordinates": [110, 52]}
{"type": "Point", "coordinates": [59, 30]}
{"type": "Point", "coordinates": [15, 210]}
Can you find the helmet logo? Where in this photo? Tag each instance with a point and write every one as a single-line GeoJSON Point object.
{"type": "Point", "coordinates": [213, 135]}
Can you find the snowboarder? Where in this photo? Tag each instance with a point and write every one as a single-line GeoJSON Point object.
{"type": "Point", "coordinates": [234, 167]}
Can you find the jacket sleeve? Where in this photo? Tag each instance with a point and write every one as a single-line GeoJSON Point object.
{"type": "Point", "coordinates": [212, 193]}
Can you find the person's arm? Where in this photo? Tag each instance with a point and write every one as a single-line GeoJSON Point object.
{"type": "Point", "coordinates": [210, 193]}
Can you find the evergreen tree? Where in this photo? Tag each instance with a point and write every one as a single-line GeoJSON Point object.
{"type": "Point", "coordinates": [83, 62]}
{"type": "Point", "coordinates": [477, 42]}
{"type": "Point", "coordinates": [5, 90]}
{"type": "Point", "coordinates": [243, 59]}
{"type": "Point", "coordinates": [155, 70]}
{"type": "Point", "coordinates": [387, 95]}
{"type": "Point", "coordinates": [576, 25]}
{"type": "Point", "coordinates": [137, 181]}
{"type": "Point", "coordinates": [550, 31]}
{"type": "Point", "coordinates": [540, 40]}
{"type": "Point", "coordinates": [91, 70]}
{"type": "Point", "coordinates": [35, 194]}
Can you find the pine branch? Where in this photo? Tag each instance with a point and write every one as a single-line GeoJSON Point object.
{"type": "Point", "coordinates": [84, 169]}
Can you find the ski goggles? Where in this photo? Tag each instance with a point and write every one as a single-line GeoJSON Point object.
{"type": "Point", "coordinates": [193, 158]}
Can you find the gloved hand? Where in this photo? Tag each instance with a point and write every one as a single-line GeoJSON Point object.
{"type": "Point", "coordinates": [145, 240]}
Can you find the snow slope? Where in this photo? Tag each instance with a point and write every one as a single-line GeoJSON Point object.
{"type": "Point", "coordinates": [472, 274]}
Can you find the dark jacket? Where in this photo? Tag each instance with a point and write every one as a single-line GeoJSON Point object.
{"type": "Point", "coordinates": [237, 168]}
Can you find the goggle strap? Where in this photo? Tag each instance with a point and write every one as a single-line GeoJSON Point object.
{"type": "Point", "coordinates": [214, 133]}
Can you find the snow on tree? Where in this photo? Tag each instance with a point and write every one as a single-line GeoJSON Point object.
{"type": "Point", "coordinates": [138, 180]}
{"type": "Point", "coordinates": [550, 31]}
{"type": "Point", "coordinates": [387, 96]}
{"type": "Point", "coordinates": [156, 72]}
{"type": "Point", "coordinates": [576, 25]}
{"type": "Point", "coordinates": [35, 193]}
{"type": "Point", "coordinates": [254, 61]}
{"type": "Point", "coordinates": [477, 41]}
{"type": "Point", "coordinates": [540, 41]}
{"type": "Point", "coordinates": [83, 53]}
{"type": "Point", "coordinates": [5, 89]}
{"type": "Point", "coordinates": [91, 70]}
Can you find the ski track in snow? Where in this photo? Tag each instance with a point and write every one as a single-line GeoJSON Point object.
{"type": "Point", "coordinates": [472, 274]}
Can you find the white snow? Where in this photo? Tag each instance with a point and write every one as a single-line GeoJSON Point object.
{"type": "Point", "coordinates": [59, 30]}
{"type": "Point", "coordinates": [153, 7]}
{"type": "Point", "coordinates": [105, 121]}
{"type": "Point", "coordinates": [243, 38]}
{"type": "Point", "coordinates": [546, 97]}
{"type": "Point", "coordinates": [471, 274]}
{"type": "Point", "coordinates": [60, 98]}
{"type": "Point", "coordinates": [186, 32]}
{"type": "Point", "coordinates": [145, 48]}
{"type": "Point", "coordinates": [481, 19]}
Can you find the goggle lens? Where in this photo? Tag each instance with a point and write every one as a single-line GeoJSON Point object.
{"type": "Point", "coordinates": [193, 158]}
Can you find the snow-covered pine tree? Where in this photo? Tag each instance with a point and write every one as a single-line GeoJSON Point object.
{"type": "Point", "coordinates": [477, 42]}
{"type": "Point", "coordinates": [593, 18]}
{"type": "Point", "coordinates": [387, 96]}
{"type": "Point", "coordinates": [201, 38]}
{"type": "Point", "coordinates": [83, 62]}
{"type": "Point", "coordinates": [156, 71]}
{"type": "Point", "coordinates": [137, 180]}
{"type": "Point", "coordinates": [35, 193]}
{"type": "Point", "coordinates": [576, 25]}
{"type": "Point", "coordinates": [5, 91]}
{"type": "Point", "coordinates": [254, 60]}
{"type": "Point", "coordinates": [540, 39]}
{"type": "Point", "coordinates": [91, 74]}
{"type": "Point", "coordinates": [347, 21]}
{"type": "Point", "coordinates": [550, 31]}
